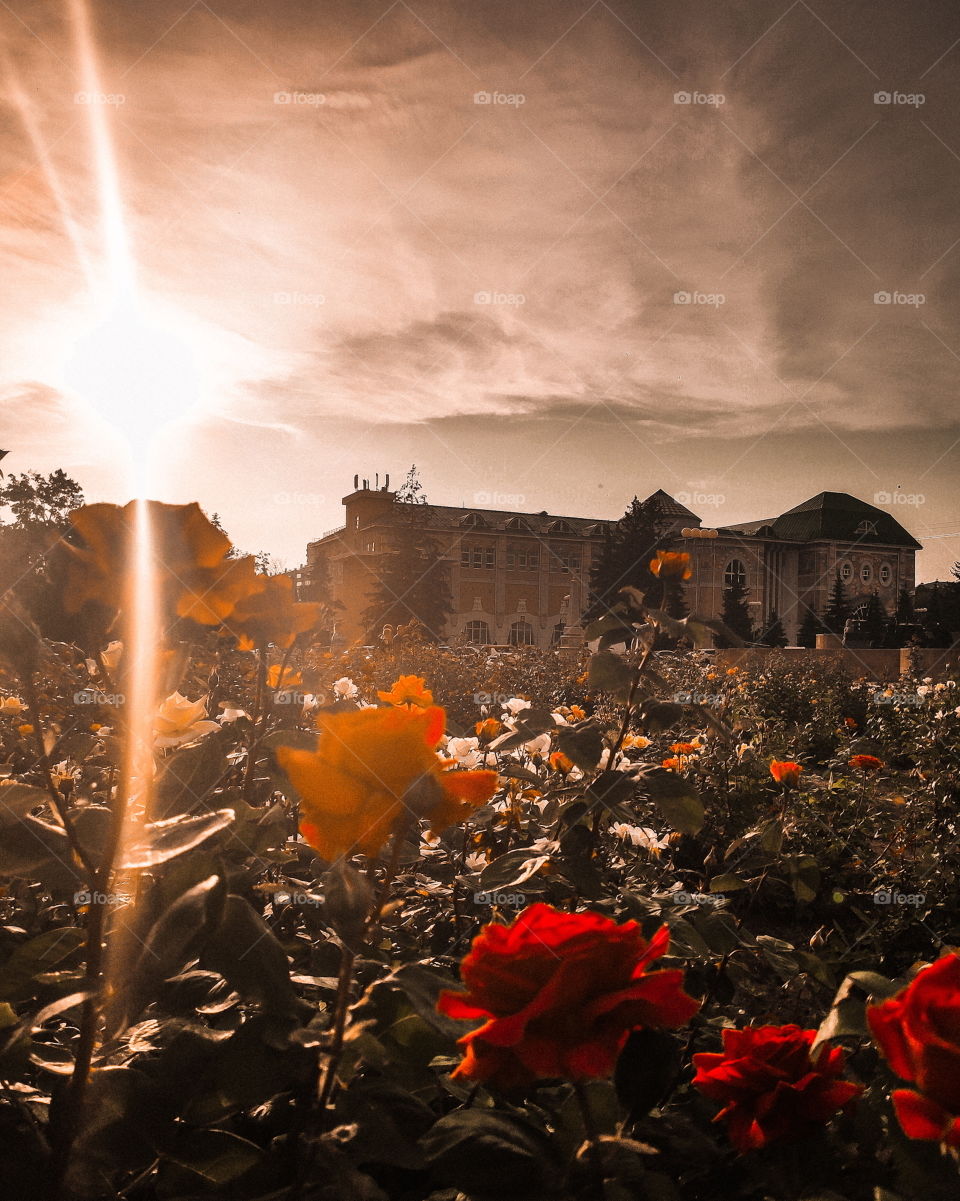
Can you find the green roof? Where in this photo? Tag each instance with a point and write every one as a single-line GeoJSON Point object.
{"type": "Point", "coordinates": [839, 517]}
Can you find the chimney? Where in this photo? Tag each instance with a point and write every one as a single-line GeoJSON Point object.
{"type": "Point", "coordinates": [376, 481]}
{"type": "Point", "coordinates": [386, 483]}
{"type": "Point", "coordinates": [356, 482]}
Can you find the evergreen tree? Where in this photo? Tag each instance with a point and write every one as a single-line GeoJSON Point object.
{"type": "Point", "coordinates": [838, 608]}
{"type": "Point", "coordinates": [411, 490]}
{"type": "Point", "coordinates": [810, 627]}
{"type": "Point", "coordinates": [628, 546]}
{"type": "Point", "coordinates": [936, 632]}
{"type": "Point", "coordinates": [412, 579]}
{"type": "Point", "coordinates": [736, 611]}
{"type": "Point", "coordinates": [874, 620]}
{"type": "Point", "coordinates": [773, 632]}
{"type": "Point", "coordinates": [904, 612]}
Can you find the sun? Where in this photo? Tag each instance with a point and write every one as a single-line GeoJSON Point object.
{"type": "Point", "coordinates": [135, 370]}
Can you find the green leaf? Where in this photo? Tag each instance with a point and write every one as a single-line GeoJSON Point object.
{"type": "Point", "coordinates": [164, 840]}
{"type": "Point", "coordinates": [490, 1155]}
{"type": "Point", "coordinates": [35, 849]}
{"type": "Point", "coordinates": [727, 882]}
{"type": "Point", "coordinates": [245, 950]}
{"type": "Point", "coordinates": [611, 674]}
{"type": "Point", "coordinates": [582, 743]}
{"type": "Point", "coordinates": [40, 954]}
{"type": "Point", "coordinates": [515, 867]}
{"type": "Point", "coordinates": [16, 801]}
{"type": "Point", "coordinates": [675, 797]}
{"type": "Point", "coordinates": [216, 1156]}
{"type": "Point", "coordinates": [657, 716]}
{"type": "Point", "coordinates": [187, 777]}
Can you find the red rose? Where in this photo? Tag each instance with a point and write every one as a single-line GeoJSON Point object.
{"type": "Point", "coordinates": [918, 1033]}
{"type": "Point", "coordinates": [560, 993]}
{"type": "Point", "coordinates": [770, 1086]}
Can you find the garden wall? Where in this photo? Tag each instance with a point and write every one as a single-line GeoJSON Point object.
{"type": "Point", "coordinates": [873, 664]}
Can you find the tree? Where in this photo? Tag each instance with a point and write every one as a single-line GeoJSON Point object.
{"type": "Point", "coordinates": [39, 501]}
{"type": "Point", "coordinates": [411, 490]}
{"type": "Point", "coordinates": [628, 546]}
{"type": "Point", "coordinates": [810, 627]}
{"type": "Point", "coordinates": [773, 632]}
{"type": "Point", "coordinates": [736, 611]}
{"type": "Point", "coordinates": [412, 577]}
{"type": "Point", "coordinates": [874, 620]}
{"type": "Point", "coordinates": [838, 607]}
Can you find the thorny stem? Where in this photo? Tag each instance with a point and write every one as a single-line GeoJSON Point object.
{"type": "Point", "coordinates": [257, 722]}
{"type": "Point", "coordinates": [594, 1153]}
{"type": "Point", "coordinates": [345, 978]}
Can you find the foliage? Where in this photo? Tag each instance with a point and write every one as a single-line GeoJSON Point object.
{"type": "Point", "coordinates": [777, 841]}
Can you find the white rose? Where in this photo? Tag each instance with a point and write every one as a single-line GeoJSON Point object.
{"type": "Point", "coordinates": [179, 720]}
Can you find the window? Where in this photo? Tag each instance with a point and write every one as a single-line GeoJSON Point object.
{"type": "Point", "coordinates": [569, 559]}
{"type": "Point", "coordinates": [521, 634]}
{"type": "Point", "coordinates": [735, 574]}
{"type": "Point", "coordinates": [473, 520]}
{"type": "Point", "coordinates": [867, 529]}
{"type": "Point", "coordinates": [866, 573]}
{"type": "Point", "coordinates": [885, 574]}
{"type": "Point", "coordinates": [476, 631]}
{"type": "Point", "coordinates": [370, 546]}
{"type": "Point", "coordinates": [559, 527]}
{"type": "Point", "coordinates": [478, 556]}
{"type": "Point", "coordinates": [516, 523]}
{"type": "Point", "coordinates": [846, 571]}
{"type": "Point", "coordinates": [523, 560]}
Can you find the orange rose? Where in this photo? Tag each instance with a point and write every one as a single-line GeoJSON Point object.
{"type": "Point", "coordinates": [785, 772]}
{"type": "Point", "coordinates": [197, 578]}
{"type": "Point", "coordinates": [408, 690]}
{"type": "Point", "coordinates": [670, 564]}
{"type": "Point", "coordinates": [373, 769]}
{"type": "Point", "coordinates": [865, 763]}
{"type": "Point", "coordinates": [270, 614]}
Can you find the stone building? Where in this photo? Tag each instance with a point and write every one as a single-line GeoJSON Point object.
{"type": "Point", "coordinates": [517, 578]}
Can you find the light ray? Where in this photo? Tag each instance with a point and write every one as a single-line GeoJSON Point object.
{"type": "Point", "coordinates": [51, 175]}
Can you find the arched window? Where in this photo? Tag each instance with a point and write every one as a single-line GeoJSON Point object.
{"type": "Point", "coordinates": [472, 521]}
{"type": "Point", "coordinates": [477, 632]}
{"type": "Point", "coordinates": [521, 634]}
{"type": "Point", "coordinates": [735, 574]}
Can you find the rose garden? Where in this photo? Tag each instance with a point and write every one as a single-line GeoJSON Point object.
{"type": "Point", "coordinates": [419, 923]}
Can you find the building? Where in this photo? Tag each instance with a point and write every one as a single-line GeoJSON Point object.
{"type": "Point", "coordinates": [518, 578]}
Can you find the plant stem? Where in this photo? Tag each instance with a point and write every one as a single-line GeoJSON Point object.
{"type": "Point", "coordinates": [595, 1154]}
{"type": "Point", "coordinates": [257, 722]}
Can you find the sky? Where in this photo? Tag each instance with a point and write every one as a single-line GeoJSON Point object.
{"type": "Point", "coordinates": [555, 253]}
